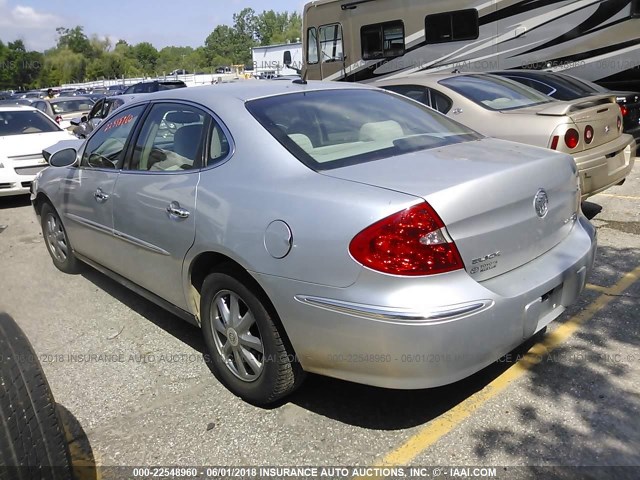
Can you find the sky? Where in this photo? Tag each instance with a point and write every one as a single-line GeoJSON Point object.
{"type": "Point", "coordinates": [161, 22]}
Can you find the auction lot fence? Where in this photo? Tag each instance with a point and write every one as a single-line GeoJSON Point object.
{"type": "Point", "coordinates": [189, 80]}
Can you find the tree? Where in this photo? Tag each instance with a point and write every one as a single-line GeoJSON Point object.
{"type": "Point", "coordinates": [74, 39]}
{"type": "Point", "coordinates": [147, 57]}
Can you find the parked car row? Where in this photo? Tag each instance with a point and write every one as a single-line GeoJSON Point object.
{"type": "Point", "coordinates": [418, 195]}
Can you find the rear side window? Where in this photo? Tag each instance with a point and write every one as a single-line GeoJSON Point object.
{"type": "Point", "coordinates": [452, 26]}
{"type": "Point", "coordinates": [331, 43]}
{"type": "Point", "coordinates": [171, 139]}
{"type": "Point", "coordinates": [440, 102]}
{"type": "Point", "coordinates": [382, 40]}
{"type": "Point", "coordinates": [335, 128]}
{"type": "Point", "coordinates": [495, 93]}
{"type": "Point", "coordinates": [312, 46]}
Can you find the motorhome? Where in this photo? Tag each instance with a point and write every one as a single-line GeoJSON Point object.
{"type": "Point", "coordinates": [365, 40]}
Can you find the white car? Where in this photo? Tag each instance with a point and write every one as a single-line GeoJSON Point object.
{"type": "Point", "coordinates": [24, 133]}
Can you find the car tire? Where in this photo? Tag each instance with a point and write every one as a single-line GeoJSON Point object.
{"type": "Point", "coordinates": [248, 350]}
{"type": "Point", "coordinates": [32, 441]}
{"type": "Point", "coordinates": [57, 241]}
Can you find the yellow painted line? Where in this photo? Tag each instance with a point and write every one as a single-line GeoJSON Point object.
{"type": "Point", "coordinates": [597, 288]}
{"type": "Point", "coordinates": [444, 424]}
{"type": "Point", "coordinates": [625, 197]}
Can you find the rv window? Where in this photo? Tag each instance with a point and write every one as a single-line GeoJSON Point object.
{"type": "Point", "coordinates": [331, 43]}
{"type": "Point", "coordinates": [382, 40]}
{"type": "Point", "coordinates": [635, 8]}
{"type": "Point", "coordinates": [312, 46]}
{"type": "Point", "coordinates": [452, 26]}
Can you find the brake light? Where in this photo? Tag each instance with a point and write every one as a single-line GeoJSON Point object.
{"type": "Point", "coordinates": [554, 142]}
{"type": "Point", "coordinates": [572, 138]}
{"type": "Point", "coordinates": [588, 134]}
{"type": "Point", "coordinates": [58, 119]}
{"type": "Point", "coordinates": [624, 110]}
{"type": "Point", "coordinates": [412, 242]}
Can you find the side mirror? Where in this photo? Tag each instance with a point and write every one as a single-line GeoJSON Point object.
{"type": "Point", "coordinates": [63, 158]}
{"type": "Point", "coordinates": [287, 58]}
{"type": "Point", "coordinates": [76, 121]}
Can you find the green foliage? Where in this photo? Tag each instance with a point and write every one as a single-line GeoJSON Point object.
{"type": "Point", "coordinates": [77, 58]}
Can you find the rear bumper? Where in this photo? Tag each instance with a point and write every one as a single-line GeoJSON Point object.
{"type": "Point", "coordinates": [605, 166]}
{"type": "Point", "coordinates": [410, 333]}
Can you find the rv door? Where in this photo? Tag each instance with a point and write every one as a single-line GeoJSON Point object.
{"type": "Point", "coordinates": [331, 50]}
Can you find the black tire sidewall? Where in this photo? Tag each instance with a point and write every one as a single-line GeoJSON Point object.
{"type": "Point", "coordinates": [260, 390]}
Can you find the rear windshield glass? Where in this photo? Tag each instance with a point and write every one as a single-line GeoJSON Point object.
{"type": "Point", "coordinates": [68, 106]}
{"type": "Point", "coordinates": [21, 123]}
{"type": "Point", "coordinates": [335, 128]}
{"type": "Point", "coordinates": [495, 93]}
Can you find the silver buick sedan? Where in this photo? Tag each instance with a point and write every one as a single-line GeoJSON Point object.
{"type": "Point", "coordinates": [322, 227]}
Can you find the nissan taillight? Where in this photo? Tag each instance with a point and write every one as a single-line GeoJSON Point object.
{"type": "Point", "coordinates": [58, 119]}
{"type": "Point", "coordinates": [572, 138]}
{"type": "Point", "coordinates": [412, 242]}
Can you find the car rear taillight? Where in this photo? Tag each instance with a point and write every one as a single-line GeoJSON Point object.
{"type": "Point", "coordinates": [624, 110]}
{"type": "Point", "coordinates": [554, 142]}
{"type": "Point", "coordinates": [572, 138]}
{"type": "Point", "coordinates": [412, 242]}
{"type": "Point", "coordinates": [58, 119]}
{"type": "Point", "coordinates": [588, 134]}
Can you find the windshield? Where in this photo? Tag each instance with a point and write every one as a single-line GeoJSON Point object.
{"type": "Point", "coordinates": [68, 106]}
{"type": "Point", "coordinates": [335, 128]}
{"type": "Point", "coordinates": [495, 93]}
{"type": "Point", "coordinates": [24, 122]}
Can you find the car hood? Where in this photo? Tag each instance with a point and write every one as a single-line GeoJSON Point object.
{"type": "Point", "coordinates": [16, 146]}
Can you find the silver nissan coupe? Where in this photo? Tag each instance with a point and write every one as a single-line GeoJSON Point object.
{"type": "Point", "coordinates": [322, 227]}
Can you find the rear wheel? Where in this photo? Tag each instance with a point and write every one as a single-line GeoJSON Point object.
{"type": "Point", "coordinates": [55, 237]}
{"type": "Point", "coordinates": [248, 351]}
{"type": "Point", "coordinates": [32, 442]}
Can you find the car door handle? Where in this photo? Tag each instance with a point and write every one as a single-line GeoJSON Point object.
{"type": "Point", "coordinates": [175, 210]}
{"type": "Point", "coordinates": [100, 196]}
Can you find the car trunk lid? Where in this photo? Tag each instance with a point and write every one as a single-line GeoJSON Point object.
{"type": "Point", "coordinates": [485, 192]}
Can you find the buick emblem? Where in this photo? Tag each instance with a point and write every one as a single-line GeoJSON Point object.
{"type": "Point", "coordinates": [541, 203]}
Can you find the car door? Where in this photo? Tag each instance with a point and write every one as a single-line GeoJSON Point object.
{"type": "Point", "coordinates": [155, 199]}
{"type": "Point", "coordinates": [87, 191]}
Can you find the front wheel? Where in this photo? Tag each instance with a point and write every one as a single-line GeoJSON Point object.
{"type": "Point", "coordinates": [55, 237]}
{"type": "Point", "coordinates": [248, 351]}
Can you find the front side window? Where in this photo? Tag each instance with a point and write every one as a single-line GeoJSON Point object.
{"type": "Point", "coordinates": [495, 93]}
{"type": "Point", "coordinates": [105, 149]}
{"type": "Point", "coordinates": [414, 92]}
{"type": "Point", "coordinates": [170, 140]}
{"type": "Point", "coordinates": [25, 122]}
{"type": "Point", "coordinates": [96, 111]}
{"type": "Point", "coordinates": [312, 46]}
{"type": "Point", "coordinates": [331, 43]}
{"type": "Point", "coordinates": [382, 40]}
{"type": "Point", "coordinates": [452, 26]}
{"type": "Point", "coordinates": [334, 128]}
